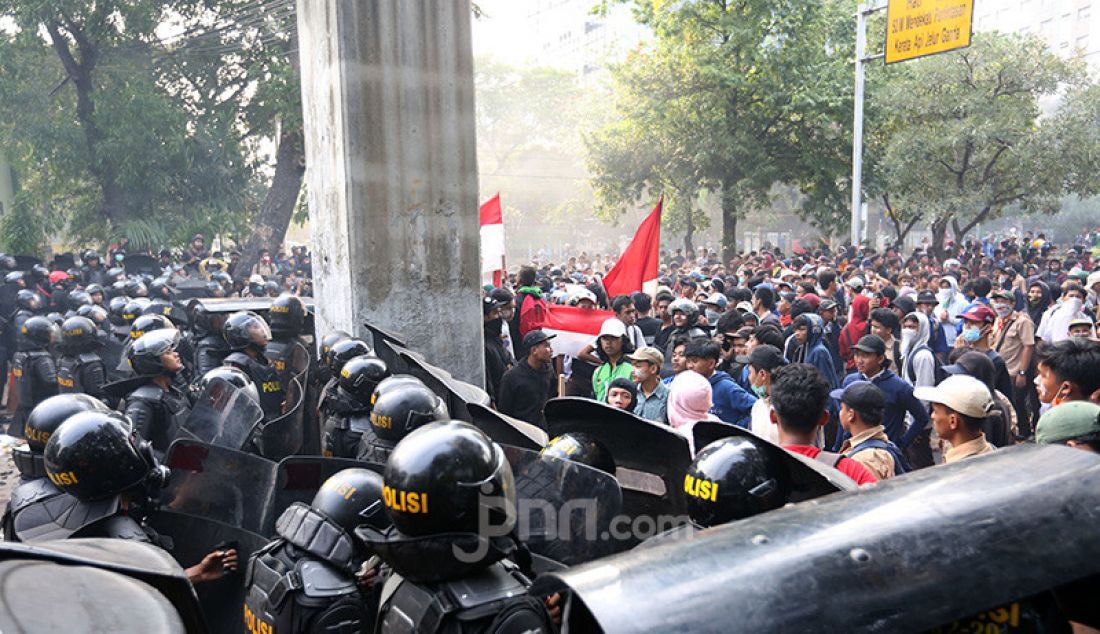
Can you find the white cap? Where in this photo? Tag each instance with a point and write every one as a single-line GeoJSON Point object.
{"type": "Point", "coordinates": [613, 327]}
{"type": "Point", "coordinates": [950, 262]}
{"type": "Point", "coordinates": [855, 282]}
{"type": "Point", "coordinates": [964, 394]}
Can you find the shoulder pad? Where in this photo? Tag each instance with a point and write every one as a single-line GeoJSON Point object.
{"type": "Point", "coordinates": [314, 533]}
{"type": "Point", "coordinates": [29, 464]}
{"type": "Point", "coordinates": [123, 527]}
{"type": "Point", "coordinates": [321, 580]}
{"type": "Point", "coordinates": [148, 393]}
{"type": "Point", "coordinates": [89, 357]}
{"type": "Point", "coordinates": [486, 586]}
{"type": "Point", "coordinates": [360, 423]}
{"type": "Point", "coordinates": [238, 358]}
{"type": "Point", "coordinates": [26, 494]}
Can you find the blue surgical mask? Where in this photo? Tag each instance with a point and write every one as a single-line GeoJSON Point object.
{"type": "Point", "coordinates": [971, 335]}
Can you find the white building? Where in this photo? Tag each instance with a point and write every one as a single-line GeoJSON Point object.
{"type": "Point", "coordinates": [1069, 27]}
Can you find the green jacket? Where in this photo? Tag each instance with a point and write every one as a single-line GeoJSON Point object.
{"type": "Point", "coordinates": [605, 374]}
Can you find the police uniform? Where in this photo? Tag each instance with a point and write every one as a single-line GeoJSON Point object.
{"type": "Point", "coordinates": [344, 428]}
{"type": "Point", "coordinates": [266, 378]}
{"type": "Point", "coordinates": [82, 373]}
{"type": "Point", "coordinates": [35, 380]}
{"type": "Point", "coordinates": [17, 320]}
{"type": "Point", "coordinates": [210, 353]}
{"type": "Point", "coordinates": [157, 414]}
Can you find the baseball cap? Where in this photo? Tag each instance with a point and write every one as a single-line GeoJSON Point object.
{"type": "Point", "coordinates": [745, 307]}
{"type": "Point", "coordinates": [1068, 421]}
{"type": "Point", "coordinates": [1003, 294]}
{"type": "Point", "coordinates": [981, 314]}
{"type": "Point", "coordinates": [871, 343]}
{"type": "Point", "coordinates": [744, 332]}
{"type": "Point", "coordinates": [534, 338]}
{"type": "Point", "coordinates": [648, 354]}
{"type": "Point", "coordinates": [855, 282]}
{"type": "Point", "coordinates": [927, 297]}
{"type": "Point", "coordinates": [1080, 321]}
{"type": "Point", "coordinates": [964, 394]}
{"type": "Point", "coordinates": [488, 304]}
{"type": "Point", "coordinates": [717, 299]}
{"type": "Point", "coordinates": [862, 396]}
{"type": "Point", "coordinates": [502, 295]}
{"type": "Point", "coordinates": [612, 327]}
{"type": "Point", "coordinates": [763, 357]}
{"type": "Point", "coordinates": [826, 304]}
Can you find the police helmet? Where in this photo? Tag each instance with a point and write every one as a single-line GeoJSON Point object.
{"type": "Point", "coordinates": [245, 328]}
{"type": "Point", "coordinates": [438, 478]}
{"type": "Point", "coordinates": [160, 289]}
{"type": "Point", "coordinates": [580, 447]}
{"type": "Point", "coordinates": [148, 323]}
{"type": "Point", "coordinates": [90, 255]}
{"type": "Point", "coordinates": [79, 334]}
{"type": "Point", "coordinates": [93, 289]}
{"type": "Point", "coordinates": [116, 274]}
{"type": "Point", "coordinates": [96, 313]}
{"type": "Point", "coordinates": [327, 342]}
{"type": "Point", "coordinates": [345, 350]}
{"type": "Point", "coordinates": [48, 415]}
{"type": "Point", "coordinates": [78, 299]}
{"type": "Point", "coordinates": [118, 288]}
{"type": "Point", "coordinates": [160, 307]}
{"type": "Point", "coordinates": [56, 318]}
{"type": "Point", "coordinates": [40, 272]}
{"type": "Point", "coordinates": [14, 277]}
{"type": "Point", "coordinates": [40, 331]}
{"type": "Point", "coordinates": [213, 289]}
{"type": "Point", "coordinates": [136, 288]}
{"type": "Point", "coordinates": [287, 315]}
{"type": "Point", "coordinates": [393, 383]}
{"type": "Point", "coordinates": [686, 306]}
{"type": "Point", "coordinates": [145, 353]}
{"type": "Point", "coordinates": [204, 321]}
{"type": "Point", "coordinates": [352, 497]}
{"type": "Point", "coordinates": [398, 412]}
{"type": "Point", "coordinates": [361, 375]}
{"type": "Point", "coordinates": [117, 307]}
{"type": "Point", "coordinates": [233, 376]}
{"type": "Point", "coordinates": [734, 478]}
{"type": "Point", "coordinates": [95, 455]}
{"type": "Point", "coordinates": [133, 310]}
{"type": "Point", "coordinates": [28, 300]}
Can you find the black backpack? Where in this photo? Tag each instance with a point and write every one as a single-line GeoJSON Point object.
{"type": "Point", "coordinates": [900, 465]}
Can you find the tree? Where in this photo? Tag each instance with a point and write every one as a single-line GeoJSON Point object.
{"type": "Point", "coordinates": [961, 136]}
{"type": "Point", "coordinates": [732, 98]}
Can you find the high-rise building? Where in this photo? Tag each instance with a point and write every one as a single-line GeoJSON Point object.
{"type": "Point", "coordinates": [1069, 27]}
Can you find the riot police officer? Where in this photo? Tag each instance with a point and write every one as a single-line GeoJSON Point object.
{"type": "Point", "coordinates": [351, 406]}
{"type": "Point", "coordinates": [27, 304]}
{"type": "Point", "coordinates": [449, 490]}
{"type": "Point", "coordinates": [120, 325]}
{"type": "Point", "coordinates": [286, 317]}
{"type": "Point", "coordinates": [157, 408]}
{"type": "Point", "coordinates": [79, 369]}
{"type": "Point", "coordinates": [93, 271]}
{"type": "Point", "coordinates": [210, 346]}
{"type": "Point", "coordinates": [305, 580]}
{"type": "Point", "coordinates": [580, 447]}
{"type": "Point", "coordinates": [34, 369]}
{"type": "Point", "coordinates": [247, 335]}
{"type": "Point", "coordinates": [324, 355]}
{"type": "Point", "coordinates": [734, 478]}
{"type": "Point", "coordinates": [233, 376]}
{"type": "Point", "coordinates": [395, 414]}
{"type": "Point", "coordinates": [97, 294]}
{"type": "Point", "coordinates": [43, 420]}
{"type": "Point", "coordinates": [332, 362]}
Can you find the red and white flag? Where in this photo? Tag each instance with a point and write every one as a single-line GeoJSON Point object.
{"type": "Point", "coordinates": [575, 327]}
{"type": "Point", "coordinates": [637, 267]}
{"type": "Point", "coordinates": [492, 241]}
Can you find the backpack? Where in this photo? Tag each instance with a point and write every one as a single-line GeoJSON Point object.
{"type": "Point", "coordinates": [900, 465]}
{"type": "Point", "coordinates": [938, 372]}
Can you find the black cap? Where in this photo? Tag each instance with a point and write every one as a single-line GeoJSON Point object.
{"type": "Point", "coordinates": [534, 338]}
{"type": "Point", "coordinates": [763, 357]}
{"type": "Point", "coordinates": [927, 297]}
{"type": "Point", "coordinates": [826, 304]}
{"type": "Point", "coordinates": [871, 343]}
{"type": "Point", "coordinates": [488, 305]}
{"type": "Point", "coordinates": [862, 396]}
{"type": "Point", "coordinates": [502, 295]}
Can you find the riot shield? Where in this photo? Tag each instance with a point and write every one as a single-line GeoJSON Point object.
{"type": "Point", "coordinates": [808, 478]}
{"type": "Point", "coordinates": [380, 336]}
{"type": "Point", "coordinates": [191, 288]}
{"type": "Point", "coordinates": [219, 483]}
{"type": "Point", "coordinates": [507, 430]}
{"type": "Point", "coordinates": [113, 355]}
{"type": "Point", "coordinates": [298, 478]}
{"type": "Point", "coordinates": [564, 509]}
{"type": "Point", "coordinates": [650, 459]}
{"type": "Point", "coordinates": [26, 262]}
{"type": "Point", "coordinates": [925, 549]}
{"type": "Point", "coordinates": [143, 562]}
{"type": "Point", "coordinates": [192, 539]}
{"type": "Point", "coordinates": [457, 394]}
{"type": "Point", "coordinates": [281, 437]}
{"type": "Point", "coordinates": [223, 415]}
{"type": "Point", "coordinates": [142, 265]}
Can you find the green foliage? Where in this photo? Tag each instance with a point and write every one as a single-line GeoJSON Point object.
{"type": "Point", "coordinates": [23, 230]}
{"type": "Point", "coordinates": [956, 139]}
{"type": "Point", "coordinates": [732, 98]}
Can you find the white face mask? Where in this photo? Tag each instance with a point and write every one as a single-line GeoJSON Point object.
{"type": "Point", "coordinates": [1002, 310]}
{"type": "Point", "coordinates": [907, 338]}
{"type": "Point", "coordinates": [944, 295]}
{"type": "Point", "coordinates": [1073, 304]}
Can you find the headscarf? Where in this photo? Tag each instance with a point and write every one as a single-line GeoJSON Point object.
{"type": "Point", "coordinates": [856, 328]}
{"type": "Point", "coordinates": [1036, 310]}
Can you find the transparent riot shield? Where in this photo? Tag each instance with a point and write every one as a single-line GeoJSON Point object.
{"type": "Point", "coordinates": [223, 415]}
{"type": "Point", "coordinates": [507, 430]}
{"type": "Point", "coordinates": [298, 478]}
{"type": "Point", "coordinates": [282, 436]}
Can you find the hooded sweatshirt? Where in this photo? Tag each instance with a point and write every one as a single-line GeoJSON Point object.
{"type": "Point", "coordinates": [732, 404]}
{"type": "Point", "coordinates": [955, 303]}
{"type": "Point", "coordinates": [689, 401]}
{"type": "Point", "coordinates": [815, 352]}
{"type": "Point", "coordinates": [1055, 324]}
{"type": "Point", "coordinates": [918, 361]}
{"type": "Point", "coordinates": [1036, 310]}
{"type": "Point", "coordinates": [856, 328]}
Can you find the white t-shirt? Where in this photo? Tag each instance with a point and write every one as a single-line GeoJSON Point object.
{"type": "Point", "coordinates": [762, 424]}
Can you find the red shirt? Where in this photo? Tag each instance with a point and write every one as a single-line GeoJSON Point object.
{"type": "Point", "coordinates": [847, 466]}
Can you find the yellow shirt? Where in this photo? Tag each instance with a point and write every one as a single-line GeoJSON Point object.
{"type": "Point", "coordinates": [975, 447]}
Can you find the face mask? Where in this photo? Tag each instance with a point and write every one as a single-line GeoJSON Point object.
{"type": "Point", "coordinates": [493, 326]}
{"type": "Point", "coordinates": [971, 335]}
{"type": "Point", "coordinates": [1002, 310]}
{"type": "Point", "coordinates": [907, 337]}
{"type": "Point", "coordinates": [1073, 304]}
{"type": "Point", "coordinates": [760, 390]}
{"type": "Point", "coordinates": [944, 296]}
{"type": "Point", "coordinates": [712, 316]}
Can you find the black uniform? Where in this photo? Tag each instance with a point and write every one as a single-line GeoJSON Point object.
{"type": "Point", "coordinates": [35, 380]}
{"type": "Point", "coordinates": [157, 414]}
{"type": "Point", "coordinates": [304, 580]}
{"type": "Point", "coordinates": [346, 421]}
{"type": "Point", "coordinates": [96, 275]}
{"type": "Point", "coordinates": [17, 320]}
{"type": "Point", "coordinates": [82, 373]}
{"type": "Point", "coordinates": [266, 378]}
{"type": "Point", "coordinates": [210, 353]}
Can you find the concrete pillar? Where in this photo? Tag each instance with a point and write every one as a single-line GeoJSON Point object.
{"type": "Point", "coordinates": [388, 100]}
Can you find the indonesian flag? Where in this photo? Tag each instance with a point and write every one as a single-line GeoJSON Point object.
{"type": "Point", "coordinates": [492, 240]}
{"type": "Point", "coordinates": [637, 267]}
{"type": "Point", "coordinates": [575, 327]}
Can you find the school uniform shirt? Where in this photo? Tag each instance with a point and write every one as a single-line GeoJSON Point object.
{"type": "Point", "coordinates": [975, 447]}
{"type": "Point", "coordinates": [878, 461]}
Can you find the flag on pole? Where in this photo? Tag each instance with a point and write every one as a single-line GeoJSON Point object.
{"type": "Point", "coordinates": [637, 267]}
{"type": "Point", "coordinates": [575, 327]}
{"type": "Point", "coordinates": [492, 240]}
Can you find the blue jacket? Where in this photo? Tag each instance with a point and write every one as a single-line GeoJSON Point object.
{"type": "Point", "coordinates": [732, 404]}
{"type": "Point", "coordinates": [899, 400]}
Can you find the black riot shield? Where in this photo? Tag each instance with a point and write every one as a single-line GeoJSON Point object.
{"type": "Point", "coordinates": [142, 562]}
{"type": "Point", "coordinates": [650, 459]}
{"type": "Point", "coordinates": [282, 436]}
{"type": "Point", "coordinates": [380, 337]}
{"type": "Point", "coordinates": [457, 394]}
{"type": "Point", "coordinates": [298, 478]}
{"type": "Point", "coordinates": [223, 415]}
{"type": "Point", "coordinates": [113, 355]}
{"type": "Point", "coordinates": [506, 430]}
{"type": "Point", "coordinates": [808, 478]}
{"type": "Point", "coordinates": [26, 262]}
{"type": "Point", "coordinates": [923, 550]}
{"type": "Point", "coordinates": [564, 509]}
{"type": "Point", "coordinates": [192, 539]}
{"type": "Point", "coordinates": [140, 264]}
{"type": "Point", "coordinates": [221, 484]}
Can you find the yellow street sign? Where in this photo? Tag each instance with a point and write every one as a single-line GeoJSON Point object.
{"type": "Point", "coordinates": [915, 28]}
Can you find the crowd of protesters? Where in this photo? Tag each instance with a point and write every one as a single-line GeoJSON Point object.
{"type": "Point", "coordinates": [874, 362]}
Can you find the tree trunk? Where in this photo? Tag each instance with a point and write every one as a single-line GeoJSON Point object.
{"type": "Point", "coordinates": [729, 225]}
{"type": "Point", "coordinates": [278, 207]}
{"type": "Point", "coordinates": [689, 235]}
{"type": "Point", "coordinates": [939, 231]}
